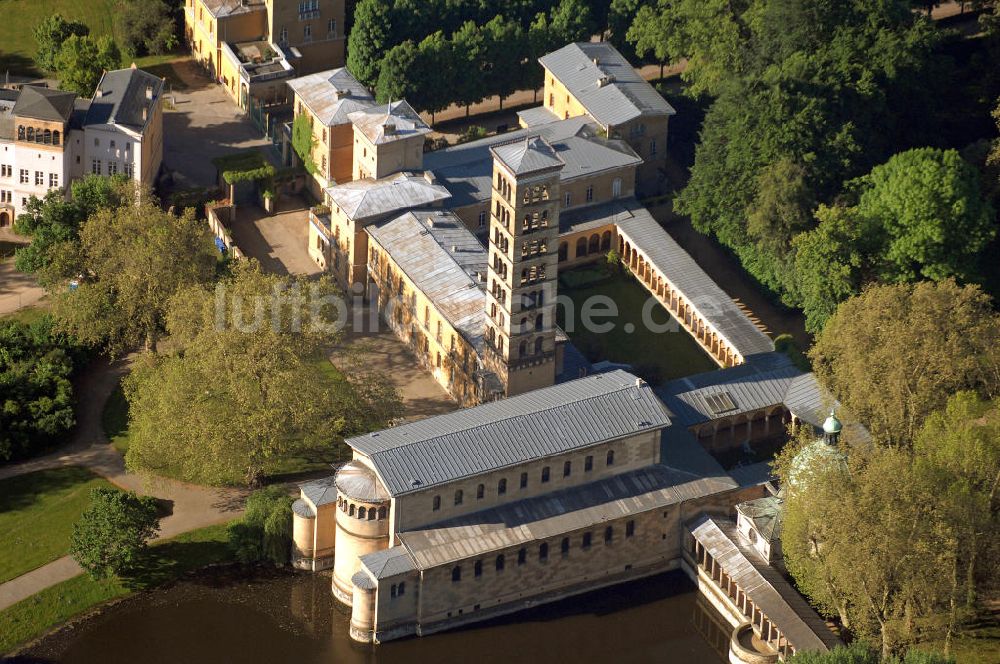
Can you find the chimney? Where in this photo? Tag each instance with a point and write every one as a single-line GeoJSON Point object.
{"type": "Point", "coordinates": [145, 113]}
{"type": "Point", "coordinates": [389, 128]}
{"type": "Point", "coordinates": [454, 248]}
{"type": "Point", "coordinates": [605, 80]}
{"type": "Point", "coordinates": [99, 93]}
{"type": "Point", "coordinates": [430, 177]}
{"type": "Point", "coordinates": [597, 60]}
{"type": "Point", "coordinates": [149, 92]}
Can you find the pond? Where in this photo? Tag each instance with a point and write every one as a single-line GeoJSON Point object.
{"type": "Point", "coordinates": [294, 618]}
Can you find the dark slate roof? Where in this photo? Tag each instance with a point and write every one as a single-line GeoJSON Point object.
{"type": "Point", "coordinates": [528, 155]}
{"type": "Point", "coordinates": [604, 82]}
{"type": "Point", "coordinates": [560, 512]}
{"type": "Point", "coordinates": [499, 434]}
{"type": "Point", "coordinates": [121, 96]}
{"type": "Point", "coordinates": [641, 231]}
{"type": "Point", "coordinates": [393, 561]}
{"type": "Point", "coordinates": [44, 104]}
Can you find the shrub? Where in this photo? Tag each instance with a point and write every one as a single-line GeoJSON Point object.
{"type": "Point", "coordinates": [472, 133]}
{"type": "Point", "coordinates": [113, 531]}
{"type": "Point", "coordinates": [265, 531]}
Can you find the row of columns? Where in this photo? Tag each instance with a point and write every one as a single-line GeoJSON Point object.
{"type": "Point", "coordinates": [672, 300]}
{"type": "Point", "coordinates": [762, 625]}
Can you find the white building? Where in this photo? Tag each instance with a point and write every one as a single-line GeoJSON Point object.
{"type": "Point", "coordinates": [48, 138]}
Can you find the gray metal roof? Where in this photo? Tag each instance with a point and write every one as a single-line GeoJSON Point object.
{"type": "Point", "coordinates": [591, 217]}
{"type": "Point", "coordinates": [558, 513]}
{"type": "Point", "coordinates": [389, 122]}
{"type": "Point", "coordinates": [121, 97]}
{"type": "Point", "coordinates": [500, 434]}
{"type": "Point", "coordinates": [807, 400]}
{"type": "Point", "coordinates": [753, 474]}
{"type": "Point", "coordinates": [393, 561]}
{"type": "Point", "coordinates": [44, 104]}
{"type": "Point", "coordinates": [358, 482]}
{"type": "Point", "coordinates": [224, 8]}
{"type": "Point", "coordinates": [321, 491]}
{"type": "Point", "coordinates": [749, 388]}
{"type": "Point", "coordinates": [668, 258]}
{"type": "Point", "coordinates": [604, 83]}
{"type": "Point", "coordinates": [467, 169]}
{"type": "Point", "coordinates": [368, 199]}
{"type": "Point", "coordinates": [765, 514]}
{"type": "Point", "coordinates": [332, 95]}
{"type": "Point", "coordinates": [436, 251]}
{"type": "Point", "coordinates": [303, 509]}
{"type": "Point", "coordinates": [537, 116]}
{"type": "Point", "coordinates": [765, 586]}
{"type": "Point", "coordinates": [528, 155]}
{"type": "Point", "coordinates": [363, 580]}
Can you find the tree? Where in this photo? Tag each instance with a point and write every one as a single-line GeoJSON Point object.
{"type": "Point", "coordinates": [860, 653]}
{"type": "Point", "coordinates": [146, 27]}
{"type": "Point", "coordinates": [50, 35]}
{"type": "Point", "coordinates": [398, 77]}
{"type": "Point", "coordinates": [470, 50]}
{"type": "Point", "coordinates": [620, 16]}
{"type": "Point", "coordinates": [504, 44]}
{"type": "Point", "coordinates": [132, 260]}
{"type": "Point", "coordinates": [245, 388]}
{"type": "Point", "coordinates": [993, 160]}
{"type": "Point", "coordinates": [369, 40]}
{"type": "Point", "coordinates": [437, 69]}
{"type": "Point", "coordinates": [265, 530]}
{"type": "Point", "coordinates": [36, 394]}
{"type": "Point", "coordinates": [571, 21]}
{"type": "Point", "coordinates": [113, 531]}
{"type": "Point", "coordinates": [928, 204]}
{"type": "Point", "coordinates": [893, 354]}
{"type": "Point", "coordinates": [81, 61]}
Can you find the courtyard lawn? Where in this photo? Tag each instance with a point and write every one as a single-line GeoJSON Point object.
{"type": "Point", "coordinates": [163, 562]}
{"type": "Point", "coordinates": [657, 356]}
{"type": "Point", "coordinates": [39, 510]}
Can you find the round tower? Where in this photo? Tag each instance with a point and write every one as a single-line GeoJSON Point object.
{"type": "Point", "coordinates": [362, 524]}
{"type": "Point", "coordinates": [363, 608]}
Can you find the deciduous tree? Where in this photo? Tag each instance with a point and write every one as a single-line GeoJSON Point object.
{"type": "Point", "coordinates": [112, 533]}
{"type": "Point", "coordinates": [50, 35]}
{"type": "Point", "coordinates": [369, 40]}
{"type": "Point", "coordinates": [81, 61]}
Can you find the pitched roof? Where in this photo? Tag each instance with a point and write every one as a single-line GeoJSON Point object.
{"type": "Point", "coordinates": [467, 169]}
{"type": "Point", "coordinates": [371, 199]}
{"type": "Point", "coordinates": [44, 104]}
{"type": "Point", "coordinates": [557, 513]}
{"type": "Point", "coordinates": [529, 155]}
{"type": "Point", "coordinates": [393, 561]}
{"type": "Point", "coordinates": [332, 95]}
{"type": "Point", "coordinates": [389, 122]}
{"type": "Point", "coordinates": [224, 8]}
{"type": "Point", "coordinates": [441, 257]}
{"type": "Point", "coordinates": [321, 491]}
{"type": "Point", "coordinates": [553, 420]}
{"type": "Point", "coordinates": [604, 83]}
{"type": "Point", "coordinates": [765, 514]}
{"type": "Point", "coordinates": [121, 97]}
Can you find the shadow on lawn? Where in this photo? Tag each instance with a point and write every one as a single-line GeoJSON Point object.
{"type": "Point", "coordinates": [23, 491]}
{"type": "Point", "coordinates": [166, 562]}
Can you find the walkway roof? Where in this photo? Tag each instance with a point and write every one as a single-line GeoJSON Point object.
{"type": "Point", "coordinates": [332, 95]}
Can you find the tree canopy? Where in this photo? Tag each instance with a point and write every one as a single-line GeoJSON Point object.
{"type": "Point", "coordinates": [244, 386]}
{"type": "Point", "coordinates": [81, 61]}
{"type": "Point", "coordinates": [50, 34]}
{"type": "Point", "coordinates": [894, 354]}
{"type": "Point", "coordinates": [113, 531]}
{"type": "Point", "coordinates": [146, 27]}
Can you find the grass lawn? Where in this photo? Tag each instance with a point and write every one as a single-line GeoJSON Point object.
{"type": "Point", "coordinates": [162, 562]}
{"type": "Point", "coordinates": [27, 315]}
{"type": "Point", "coordinates": [659, 356]}
{"type": "Point", "coordinates": [114, 419]}
{"type": "Point", "coordinates": [39, 510]}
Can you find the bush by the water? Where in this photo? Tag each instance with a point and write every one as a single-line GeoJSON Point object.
{"type": "Point", "coordinates": [861, 653]}
{"type": "Point", "coordinates": [36, 395]}
{"type": "Point", "coordinates": [265, 531]}
{"type": "Point", "coordinates": [114, 531]}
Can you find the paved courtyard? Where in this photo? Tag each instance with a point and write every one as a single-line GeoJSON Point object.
{"type": "Point", "coordinates": [204, 124]}
{"type": "Point", "coordinates": [278, 241]}
{"type": "Point", "coordinates": [17, 290]}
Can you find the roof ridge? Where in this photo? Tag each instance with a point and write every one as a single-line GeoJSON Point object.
{"type": "Point", "coordinates": [591, 397]}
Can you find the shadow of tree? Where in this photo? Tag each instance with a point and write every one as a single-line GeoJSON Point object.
{"type": "Point", "coordinates": [16, 64]}
{"type": "Point", "coordinates": [166, 562]}
{"type": "Point", "coordinates": [23, 491]}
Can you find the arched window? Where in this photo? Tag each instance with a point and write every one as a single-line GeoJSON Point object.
{"type": "Point", "coordinates": [524, 276]}
{"type": "Point", "coordinates": [545, 474]}
{"type": "Point", "coordinates": [595, 244]}
{"type": "Point", "coordinates": [371, 513]}
{"type": "Point", "coordinates": [543, 551]}
{"type": "Point", "coordinates": [20, 132]}
{"type": "Point", "coordinates": [539, 342]}
{"type": "Point", "coordinates": [456, 573]}
{"type": "Point", "coordinates": [567, 468]}
{"type": "Point", "coordinates": [480, 491]}
{"type": "Point", "coordinates": [539, 322]}
{"type": "Point", "coordinates": [31, 133]}
{"type": "Point", "coordinates": [606, 241]}
{"type": "Point", "coordinates": [563, 251]}
{"type": "Point", "coordinates": [362, 513]}
{"type": "Point", "coordinates": [522, 349]}
{"type": "Point", "coordinates": [502, 487]}
{"type": "Point", "coordinates": [47, 137]}
{"type": "Point", "coordinates": [581, 247]}
{"type": "Point", "coordinates": [382, 512]}
{"type": "Point", "coordinates": [458, 497]}
{"type": "Point", "coordinates": [564, 547]}
{"type": "Point", "coordinates": [500, 562]}
{"type": "Point", "coordinates": [477, 569]}
{"type": "Point", "coordinates": [611, 457]}
{"type": "Point", "coordinates": [402, 588]}
{"type": "Point", "coordinates": [55, 137]}
{"type": "Point", "coordinates": [350, 511]}
{"type": "Point", "coordinates": [437, 503]}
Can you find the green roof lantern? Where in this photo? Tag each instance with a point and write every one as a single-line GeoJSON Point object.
{"type": "Point", "coordinates": [832, 424]}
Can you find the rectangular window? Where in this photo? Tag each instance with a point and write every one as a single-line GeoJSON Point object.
{"type": "Point", "coordinates": [95, 166]}
{"type": "Point", "coordinates": [522, 556]}
{"type": "Point", "coordinates": [307, 32]}
{"type": "Point", "coordinates": [283, 39]}
{"type": "Point", "coordinates": [567, 199]}
{"type": "Point", "coordinates": [331, 27]}
{"type": "Point", "coordinates": [545, 474]}
{"type": "Point", "coordinates": [588, 464]}
{"type": "Point", "coordinates": [24, 176]}
{"type": "Point", "coordinates": [590, 193]}
{"type": "Point", "coordinates": [112, 145]}
{"type": "Point", "coordinates": [39, 178]}
{"type": "Point", "coordinates": [53, 180]}
{"type": "Point", "coordinates": [482, 219]}
{"type": "Point", "coordinates": [586, 540]}
{"type": "Point", "coordinates": [129, 169]}
{"type": "Point", "coordinates": [112, 168]}
{"type": "Point", "coordinates": [629, 528]}
{"type": "Point", "coordinates": [7, 170]}
{"type": "Point", "coordinates": [652, 147]}
{"type": "Point", "coordinates": [567, 468]}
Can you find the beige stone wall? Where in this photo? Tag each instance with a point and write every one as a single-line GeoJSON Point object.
{"type": "Point", "coordinates": [207, 33]}
{"type": "Point", "coordinates": [417, 509]}
{"type": "Point", "coordinates": [601, 187]}
{"type": "Point", "coordinates": [354, 538]}
{"type": "Point", "coordinates": [577, 248]}
{"type": "Point", "coordinates": [558, 99]}
{"type": "Point", "coordinates": [379, 161]}
{"type": "Point", "coordinates": [321, 47]}
{"type": "Point", "coordinates": [648, 137]}
{"type": "Point", "coordinates": [152, 146]}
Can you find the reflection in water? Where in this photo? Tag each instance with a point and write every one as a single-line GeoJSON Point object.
{"type": "Point", "coordinates": [294, 618]}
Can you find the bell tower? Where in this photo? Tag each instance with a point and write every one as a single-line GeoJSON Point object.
{"type": "Point", "coordinates": [523, 261]}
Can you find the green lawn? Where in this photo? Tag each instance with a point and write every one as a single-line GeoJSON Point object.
{"type": "Point", "coordinates": [658, 356]}
{"type": "Point", "coordinates": [28, 315]}
{"type": "Point", "coordinates": [39, 510]}
{"type": "Point", "coordinates": [163, 562]}
{"type": "Point", "coordinates": [114, 419]}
